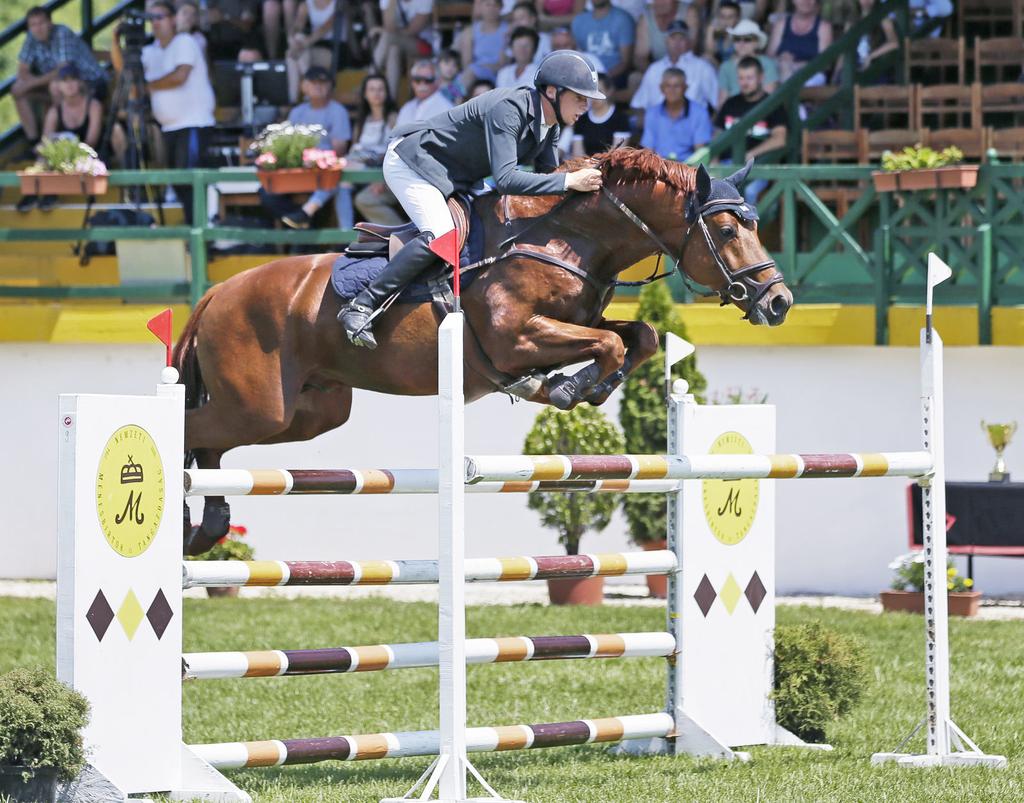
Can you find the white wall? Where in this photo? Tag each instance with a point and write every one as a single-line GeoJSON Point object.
{"type": "Point", "coordinates": [834, 536]}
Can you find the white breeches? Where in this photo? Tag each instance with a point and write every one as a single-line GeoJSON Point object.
{"type": "Point", "coordinates": [421, 200]}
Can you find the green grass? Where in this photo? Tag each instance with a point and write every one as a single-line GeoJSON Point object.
{"type": "Point", "coordinates": [988, 689]}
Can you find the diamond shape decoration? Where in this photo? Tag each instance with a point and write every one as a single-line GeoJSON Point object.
{"type": "Point", "coordinates": [159, 613]}
{"type": "Point", "coordinates": [130, 614]}
{"type": "Point", "coordinates": [755, 592]}
{"type": "Point", "coordinates": [100, 615]}
{"type": "Point", "coordinates": [730, 593]}
{"type": "Point", "coordinates": [705, 595]}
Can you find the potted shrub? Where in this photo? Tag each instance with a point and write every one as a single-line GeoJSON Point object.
{"type": "Point", "coordinates": [644, 420]}
{"type": "Point", "coordinates": [921, 168]}
{"type": "Point", "coordinates": [583, 430]}
{"type": "Point", "coordinates": [65, 167]}
{"type": "Point", "coordinates": [230, 547]}
{"type": "Point", "coordinates": [41, 721]}
{"type": "Point", "coordinates": [907, 592]}
{"type": "Point", "coordinates": [288, 159]}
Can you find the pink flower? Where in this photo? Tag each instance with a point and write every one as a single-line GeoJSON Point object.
{"type": "Point", "coordinates": [266, 160]}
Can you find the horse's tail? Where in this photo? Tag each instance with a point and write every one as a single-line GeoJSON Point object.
{"type": "Point", "coordinates": [186, 359]}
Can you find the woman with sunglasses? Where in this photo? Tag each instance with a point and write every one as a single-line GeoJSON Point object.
{"type": "Point", "coordinates": [491, 135]}
{"type": "Point", "coordinates": [748, 40]}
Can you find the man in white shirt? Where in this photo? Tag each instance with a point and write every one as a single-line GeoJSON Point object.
{"type": "Point", "coordinates": [426, 101]}
{"type": "Point", "coordinates": [181, 97]}
{"type": "Point", "coordinates": [701, 79]}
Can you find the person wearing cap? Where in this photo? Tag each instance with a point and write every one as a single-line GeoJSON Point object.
{"type": "Point", "coordinates": [46, 48]}
{"type": "Point", "coordinates": [748, 41]}
{"type": "Point", "coordinates": [701, 81]}
{"type": "Point", "coordinates": [607, 33]}
{"type": "Point", "coordinates": [490, 135]}
{"type": "Point", "coordinates": [321, 109]}
{"type": "Point", "coordinates": [652, 29]}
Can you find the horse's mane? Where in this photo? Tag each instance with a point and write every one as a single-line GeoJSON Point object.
{"type": "Point", "coordinates": [630, 165]}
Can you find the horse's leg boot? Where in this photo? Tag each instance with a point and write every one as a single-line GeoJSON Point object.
{"type": "Point", "coordinates": [357, 315]}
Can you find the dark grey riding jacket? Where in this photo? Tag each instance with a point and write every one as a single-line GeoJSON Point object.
{"type": "Point", "coordinates": [490, 135]}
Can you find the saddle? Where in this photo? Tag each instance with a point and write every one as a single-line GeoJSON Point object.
{"type": "Point", "coordinates": [377, 239]}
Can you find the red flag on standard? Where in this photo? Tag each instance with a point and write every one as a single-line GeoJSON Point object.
{"type": "Point", "coordinates": [160, 326]}
{"type": "Point", "coordinates": [447, 247]}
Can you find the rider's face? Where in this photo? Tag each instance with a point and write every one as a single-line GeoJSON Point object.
{"type": "Point", "coordinates": [573, 105]}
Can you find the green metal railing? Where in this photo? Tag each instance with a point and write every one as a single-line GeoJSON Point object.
{"type": "Point", "coordinates": [875, 254]}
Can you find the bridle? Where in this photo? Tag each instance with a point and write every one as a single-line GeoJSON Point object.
{"type": "Point", "coordinates": [739, 285]}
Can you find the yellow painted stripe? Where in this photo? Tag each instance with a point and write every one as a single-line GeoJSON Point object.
{"type": "Point", "coordinates": [266, 482]}
{"type": "Point", "coordinates": [516, 487]}
{"type": "Point", "coordinates": [612, 564]}
{"type": "Point", "coordinates": [264, 573]}
{"type": "Point", "coordinates": [511, 737]}
{"type": "Point", "coordinates": [875, 465]}
{"type": "Point", "coordinates": [262, 754]}
{"type": "Point", "coordinates": [609, 646]}
{"type": "Point", "coordinates": [373, 746]}
{"type": "Point", "coordinates": [515, 569]}
{"type": "Point", "coordinates": [609, 729]}
{"type": "Point", "coordinates": [375, 572]}
{"type": "Point", "coordinates": [651, 467]}
{"type": "Point", "coordinates": [371, 658]}
{"type": "Point", "coordinates": [511, 648]}
{"type": "Point", "coordinates": [377, 482]}
{"type": "Point", "coordinates": [615, 485]}
{"type": "Point", "coordinates": [784, 466]}
{"type": "Point", "coordinates": [550, 467]}
{"type": "Point", "coordinates": [263, 664]}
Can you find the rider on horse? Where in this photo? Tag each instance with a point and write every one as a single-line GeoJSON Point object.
{"type": "Point", "coordinates": [490, 135]}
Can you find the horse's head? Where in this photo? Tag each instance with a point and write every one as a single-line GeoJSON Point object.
{"type": "Point", "coordinates": [721, 249]}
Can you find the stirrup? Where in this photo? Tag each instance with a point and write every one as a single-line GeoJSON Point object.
{"type": "Point", "coordinates": [363, 335]}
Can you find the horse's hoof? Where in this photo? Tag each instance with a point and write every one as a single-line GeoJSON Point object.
{"type": "Point", "coordinates": [197, 541]}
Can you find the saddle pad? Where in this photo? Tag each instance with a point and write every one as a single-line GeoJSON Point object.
{"type": "Point", "coordinates": [351, 273]}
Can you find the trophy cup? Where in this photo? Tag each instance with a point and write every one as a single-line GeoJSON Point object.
{"type": "Point", "coordinates": [999, 435]}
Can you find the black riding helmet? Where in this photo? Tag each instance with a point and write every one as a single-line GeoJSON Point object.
{"type": "Point", "coordinates": [567, 70]}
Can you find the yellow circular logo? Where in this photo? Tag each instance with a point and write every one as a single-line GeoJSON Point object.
{"type": "Point", "coordinates": [130, 490]}
{"type": "Point", "coordinates": [730, 505]}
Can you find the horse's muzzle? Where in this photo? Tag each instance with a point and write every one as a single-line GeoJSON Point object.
{"type": "Point", "coordinates": [771, 310]}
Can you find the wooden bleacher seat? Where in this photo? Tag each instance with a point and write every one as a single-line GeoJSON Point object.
{"type": "Point", "coordinates": [449, 13]}
{"type": "Point", "coordinates": [884, 106]}
{"type": "Point", "coordinates": [874, 143]}
{"type": "Point", "coordinates": [972, 141]}
{"type": "Point", "coordinates": [346, 87]}
{"type": "Point", "coordinates": [988, 18]}
{"type": "Point", "coordinates": [1008, 143]}
{"type": "Point", "coordinates": [947, 106]}
{"type": "Point", "coordinates": [934, 60]}
{"type": "Point", "coordinates": [1004, 55]}
{"type": "Point", "coordinates": [1001, 105]}
{"type": "Point", "coordinates": [813, 96]}
{"type": "Point", "coordinates": [833, 147]}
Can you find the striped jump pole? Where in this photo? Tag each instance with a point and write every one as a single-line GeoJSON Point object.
{"type": "Point", "coordinates": [561, 468]}
{"type": "Point", "coordinates": [204, 573]}
{"type": "Point", "coordinates": [276, 663]}
{"type": "Point", "coordinates": [273, 753]}
{"type": "Point", "coordinates": [352, 481]}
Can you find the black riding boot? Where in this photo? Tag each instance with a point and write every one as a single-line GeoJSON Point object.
{"type": "Point", "coordinates": [413, 259]}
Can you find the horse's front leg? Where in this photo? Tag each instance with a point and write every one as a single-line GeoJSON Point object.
{"type": "Point", "coordinates": [641, 341]}
{"type": "Point", "coordinates": [545, 342]}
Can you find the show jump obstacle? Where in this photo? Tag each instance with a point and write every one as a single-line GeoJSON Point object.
{"type": "Point", "coordinates": [120, 580]}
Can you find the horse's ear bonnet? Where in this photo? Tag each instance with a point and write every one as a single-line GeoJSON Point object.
{"type": "Point", "coordinates": [721, 195]}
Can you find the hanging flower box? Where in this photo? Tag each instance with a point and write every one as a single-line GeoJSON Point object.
{"type": "Point", "coordinates": [65, 167]}
{"type": "Point", "coordinates": [299, 179]}
{"type": "Point", "coordinates": [51, 183]}
{"type": "Point", "coordinates": [958, 177]}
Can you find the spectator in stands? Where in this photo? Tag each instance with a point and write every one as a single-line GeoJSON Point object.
{"type": "Point", "coordinates": [321, 109]}
{"type": "Point", "coordinates": [799, 37]}
{"type": "Point", "coordinates": [562, 39]}
{"type": "Point", "coordinates": [481, 86]}
{"type": "Point", "coordinates": [676, 127]}
{"type": "Point", "coordinates": [923, 12]}
{"type": "Point", "coordinates": [406, 36]}
{"type": "Point", "coordinates": [181, 97]}
{"type": "Point", "coordinates": [523, 68]}
{"type": "Point", "coordinates": [46, 48]}
{"type": "Point", "coordinates": [186, 20]}
{"type": "Point", "coordinates": [765, 135]}
{"type": "Point", "coordinates": [426, 100]}
{"type": "Point", "coordinates": [314, 48]}
{"type": "Point", "coordinates": [273, 12]}
{"type": "Point", "coordinates": [718, 44]}
{"type": "Point", "coordinates": [482, 44]}
{"type": "Point", "coordinates": [232, 32]}
{"type": "Point", "coordinates": [449, 69]}
{"type": "Point", "coordinates": [559, 14]}
{"type": "Point", "coordinates": [607, 33]}
{"type": "Point", "coordinates": [603, 126]}
{"type": "Point", "coordinates": [652, 30]}
{"type": "Point", "coordinates": [748, 40]}
{"type": "Point", "coordinates": [375, 119]}
{"type": "Point", "coordinates": [524, 15]}
{"type": "Point", "coordinates": [880, 41]}
{"type": "Point", "coordinates": [701, 80]}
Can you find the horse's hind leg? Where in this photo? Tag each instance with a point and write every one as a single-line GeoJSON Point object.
{"type": "Point", "coordinates": [216, 512]}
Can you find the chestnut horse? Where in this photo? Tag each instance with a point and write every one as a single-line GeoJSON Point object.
{"type": "Point", "coordinates": [264, 360]}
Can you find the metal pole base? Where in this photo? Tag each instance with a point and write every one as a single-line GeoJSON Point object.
{"type": "Point", "coordinates": [965, 752]}
{"type": "Point", "coordinates": [431, 777]}
{"type": "Point", "coordinates": [200, 781]}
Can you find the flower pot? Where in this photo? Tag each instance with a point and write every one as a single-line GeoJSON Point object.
{"type": "Point", "coordinates": [41, 786]}
{"type": "Point", "coordinates": [961, 603]}
{"type": "Point", "coordinates": [657, 584]}
{"type": "Point", "coordinates": [215, 591]}
{"type": "Point", "coordinates": [62, 184]}
{"type": "Point", "coordinates": [576, 590]}
{"type": "Point", "coordinates": [298, 179]}
{"type": "Point", "coordinates": [960, 177]}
